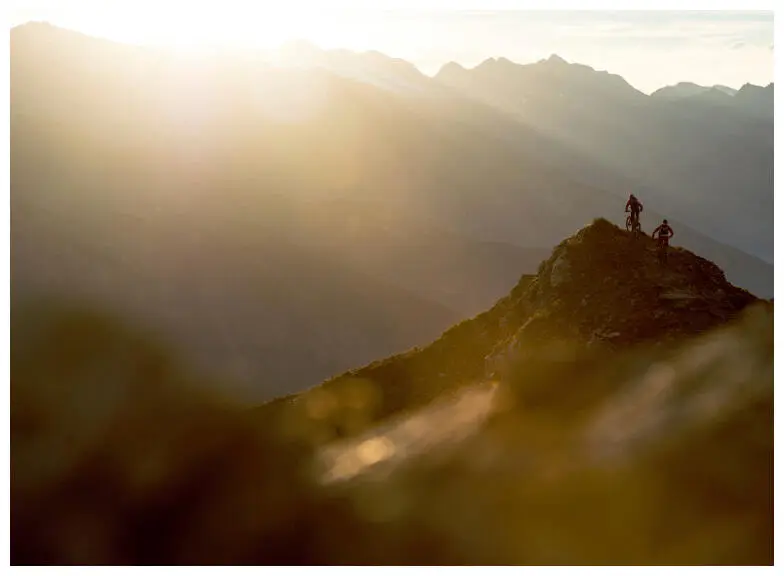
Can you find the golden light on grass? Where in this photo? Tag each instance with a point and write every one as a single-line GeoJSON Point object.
{"type": "Point", "coordinates": [446, 421]}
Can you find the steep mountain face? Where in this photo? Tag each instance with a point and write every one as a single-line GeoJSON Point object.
{"type": "Point", "coordinates": [599, 289]}
{"type": "Point", "coordinates": [676, 155]}
{"type": "Point", "coordinates": [605, 435]}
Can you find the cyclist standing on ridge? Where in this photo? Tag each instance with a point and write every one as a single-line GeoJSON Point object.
{"type": "Point", "coordinates": [635, 206]}
{"type": "Point", "coordinates": [663, 239]}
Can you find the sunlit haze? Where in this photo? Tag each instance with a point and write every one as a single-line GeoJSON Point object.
{"type": "Point", "coordinates": [649, 49]}
{"type": "Point", "coordinates": [325, 282]}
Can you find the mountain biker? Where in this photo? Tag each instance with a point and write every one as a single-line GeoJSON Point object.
{"type": "Point", "coordinates": [664, 234]}
{"type": "Point", "coordinates": [635, 206]}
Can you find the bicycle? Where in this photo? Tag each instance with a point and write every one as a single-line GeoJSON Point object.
{"type": "Point", "coordinates": [662, 245]}
{"type": "Point", "coordinates": [633, 225]}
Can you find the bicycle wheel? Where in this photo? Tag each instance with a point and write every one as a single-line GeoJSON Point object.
{"type": "Point", "coordinates": [661, 253]}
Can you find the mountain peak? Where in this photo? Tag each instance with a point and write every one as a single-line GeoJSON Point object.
{"type": "Point", "coordinates": [451, 72]}
{"type": "Point", "coordinates": [749, 87]}
{"type": "Point", "coordinates": [680, 90]}
{"type": "Point", "coordinates": [601, 283]}
{"type": "Point", "coordinates": [489, 63]}
{"type": "Point", "coordinates": [556, 59]}
{"type": "Point", "coordinates": [600, 288]}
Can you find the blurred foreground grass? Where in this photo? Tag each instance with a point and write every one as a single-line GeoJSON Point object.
{"type": "Point", "coordinates": [652, 456]}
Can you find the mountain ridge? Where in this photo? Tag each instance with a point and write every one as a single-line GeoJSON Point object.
{"type": "Point", "coordinates": [599, 289]}
{"type": "Point", "coordinates": [553, 58]}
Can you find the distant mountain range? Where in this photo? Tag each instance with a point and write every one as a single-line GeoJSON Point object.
{"type": "Point", "coordinates": [749, 99]}
{"type": "Point", "coordinates": [673, 145]}
{"type": "Point", "coordinates": [674, 155]}
{"type": "Point", "coordinates": [689, 89]}
{"type": "Point", "coordinates": [298, 221]}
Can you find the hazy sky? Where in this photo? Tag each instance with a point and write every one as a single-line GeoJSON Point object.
{"type": "Point", "coordinates": [650, 49]}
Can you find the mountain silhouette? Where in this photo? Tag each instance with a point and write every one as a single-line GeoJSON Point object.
{"type": "Point", "coordinates": [608, 410]}
{"type": "Point", "coordinates": [754, 101]}
{"type": "Point", "coordinates": [689, 89]}
{"type": "Point", "coordinates": [552, 76]}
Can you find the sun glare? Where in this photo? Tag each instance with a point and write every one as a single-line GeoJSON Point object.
{"type": "Point", "coordinates": [199, 26]}
{"type": "Point", "coordinates": [649, 52]}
